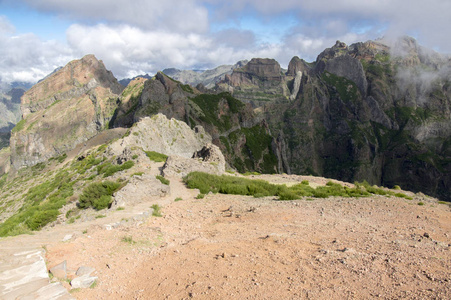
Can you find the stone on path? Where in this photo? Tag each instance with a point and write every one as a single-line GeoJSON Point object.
{"type": "Point", "coordinates": [83, 282]}
{"type": "Point", "coordinates": [60, 270]}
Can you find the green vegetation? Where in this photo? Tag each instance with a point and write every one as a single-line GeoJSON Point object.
{"type": "Point", "coordinates": [259, 188]}
{"type": "Point", "coordinates": [200, 196]}
{"type": "Point", "coordinates": [258, 148]}
{"type": "Point", "coordinates": [128, 239]}
{"type": "Point", "coordinates": [155, 156]}
{"type": "Point", "coordinates": [98, 195]}
{"type": "Point", "coordinates": [421, 203]}
{"type": "Point", "coordinates": [209, 104]}
{"type": "Point", "coordinates": [163, 180]}
{"type": "Point", "coordinates": [178, 199]}
{"type": "Point", "coordinates": [347, 89]}
{"type": "Point", "coordinates": [251, 173]}
{"type": "Point", "coordinates": [61, 158]}
{"type": "Point", "coordinates": [156, 210]}
{"type": "Point", "coordinates": [187, 88]}
{"type": "Point", "coordinates": [19, 126]}
{"type": "Point", "coordinates": [108, 169]}
{"type": "Point", "coordinates": [41, 205]}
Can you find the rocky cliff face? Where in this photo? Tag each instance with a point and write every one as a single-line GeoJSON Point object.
{"type": "Point", "coordinates": [259, 81]}
{"type": "Point", "coordinates": [67, 108]}
{"type": "Point", "coordinates": [372, 112]}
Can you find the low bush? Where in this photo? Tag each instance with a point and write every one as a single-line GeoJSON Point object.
{"type": "Point", "coordinates": [98, 195]}
{"type": "Point", "coordinates": [41, 205]}
{"type": "Point", "coordinates": [155, 156]}
{"type": "Point", "coordinates": [163, 180]}
{"type": "Point", "coordinates": [156, 210]}
{"type": "Point", "coordinates": [258, 188]}
{"type": "Point", "coordinates": [108, 169]}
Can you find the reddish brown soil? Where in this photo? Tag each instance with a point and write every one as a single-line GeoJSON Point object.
{"type": "Point", "coordinates": [234, 247]}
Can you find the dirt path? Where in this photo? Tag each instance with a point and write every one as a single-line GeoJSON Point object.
{"type": "Point", "coordinates": [223, 247]}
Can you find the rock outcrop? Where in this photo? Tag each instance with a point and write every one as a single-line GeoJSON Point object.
{"type": "Point", "coordinates": [208, 160]}
{"type": "Point", "coordinates": [163, 135]}
{"type": "Point", "coordinates": [139, 189]}
{"type": "Point", "coordinates": [69, 107]}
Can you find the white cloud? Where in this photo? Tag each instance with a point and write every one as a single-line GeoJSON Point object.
{"type": "Point", "coordinates": [175, 15]}
{"type": "Point", "coordinates": [124, 48]}
{"type": "Point", "coordinates": [27, 58]}
{"type": "Point", "coordinates": [5, 26]}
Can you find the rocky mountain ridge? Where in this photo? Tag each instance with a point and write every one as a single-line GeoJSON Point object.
{"type": "Point", "coordinates": [376, 111]}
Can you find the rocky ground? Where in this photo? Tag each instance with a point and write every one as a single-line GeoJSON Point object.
{"type": "Point", "coordinates": [225, 246]}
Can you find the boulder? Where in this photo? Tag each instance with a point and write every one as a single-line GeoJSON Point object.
{"type": "Point", "coordinates": [60, 270]}
{"type": "Point", "coordinates": [139, 189]}
{"type": "Point", "coordinates": [209, 160]}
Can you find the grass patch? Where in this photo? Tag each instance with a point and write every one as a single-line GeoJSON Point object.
{"type": "Point", "coordinates": [259, 188]}
{"type": "Point", "coordinates": [163, 180]}
{"type": "Point", "coordinates": [155, 156]}
{"type": "Point", "coordinates": [200, 196]}
{"type": "Point", "coordinates": [421, 203]}
{"type": "Point", "coordinates": [178, 199]}
{"type": "Point", "coordinates": [128, 239]}
{"type": "Point", "coordinates": [251, 173]}
{"type": "Point", "coordinates": [156, 210]}
{"type": "Point", "coordinates": [120, 208]}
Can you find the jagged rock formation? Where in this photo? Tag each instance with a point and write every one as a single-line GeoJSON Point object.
{"type": "Point", "coordinates": [69, 107]}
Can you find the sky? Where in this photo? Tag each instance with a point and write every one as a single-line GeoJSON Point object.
{"type": "Point", "coordinates": [145, 36]}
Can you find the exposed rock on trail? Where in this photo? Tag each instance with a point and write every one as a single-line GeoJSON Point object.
{"type": "Point", "coordinates": [209, 160]}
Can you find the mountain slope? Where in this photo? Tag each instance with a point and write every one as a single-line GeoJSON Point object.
{"type": "Point", "coordinates": [70, 106]}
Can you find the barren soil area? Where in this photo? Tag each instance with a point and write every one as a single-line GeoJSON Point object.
{"type": "Point", "coordinates": [236, 247]}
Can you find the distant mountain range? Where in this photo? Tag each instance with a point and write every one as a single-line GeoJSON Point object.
{"type": "Point", "coordinates": [377, 111]}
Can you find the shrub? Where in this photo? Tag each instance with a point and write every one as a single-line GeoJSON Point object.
{"type": "Point", "coordinates": [155, 156]}
{"type": "Point", "coordinates": [98, 195]}
{"type": "Point", "coordinates": [42, 218]}
{"type": "Point", "coordinates": [156, 210]}
{"type": "Point", "coordinates": [178, 199]}
{"type": "Point", "coordinates": [163, 180]}
{"type": "Point", "coordinates": [200, 196]}
{"type": "Point", "coordinates": [108, 169]}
